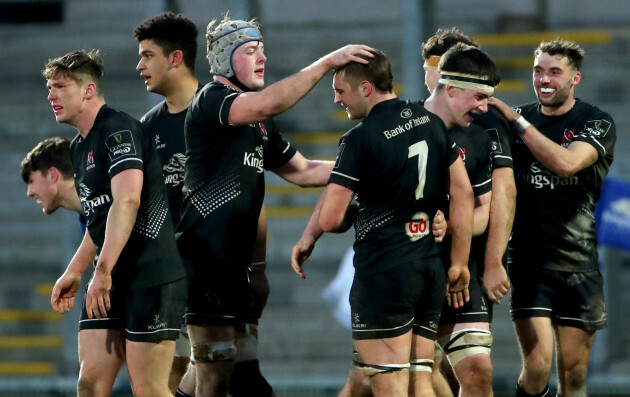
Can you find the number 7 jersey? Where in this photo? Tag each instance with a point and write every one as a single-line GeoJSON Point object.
{"type": "Point", "coordinates": [397, 162]}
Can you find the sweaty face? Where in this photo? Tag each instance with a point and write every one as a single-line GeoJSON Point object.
{"type": "Point", "coordinates": [67, 98]}
{"type": "Point", "coordinates": [348, 97]}
{"type": "Point", "coordinates": [248, 62]}
{"type": "Point", "coordinates": [466, 103]}
{"type": "Point", "coordinates": [431, 77]}
{"type": "Point", "coordinates": [43, 190]}
{"type": "Point", "coordinates": [553, 80]}
{"type": "Point", "coordinates": [153, 66]}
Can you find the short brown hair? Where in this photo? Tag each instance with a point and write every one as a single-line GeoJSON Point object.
{"type": "Point", "coordinates": [51, 152]}
{"type": "Point", "coordinates": [377, 71]}
{"type": "Point", "coordinates": [443, 40]}
{"type": "Point", "coordinates": [78, 66]}
{"type": "Point", "coordinates": [565, 48]}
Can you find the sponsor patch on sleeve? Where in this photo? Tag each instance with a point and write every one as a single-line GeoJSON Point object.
{"type": "Point", "coordinates": [120, 144]}
{"type": "Point", "coordinates": [496, 143]}
{"type": "Point", "coordinates": [339, 153]}
{"type": "Point", "coordinates": [597, 128]}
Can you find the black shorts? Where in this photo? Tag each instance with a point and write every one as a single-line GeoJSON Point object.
{"type": "Point", "coordinates": [219, 295]}
{"type": "Point", "coordinates": [146, 314]}
{"type": "Point", "coordinates": [476, 310]}
{"type": "Point", "coordinates": [390, 303]}
{"type": "Point", "coordinates": [574, 299]}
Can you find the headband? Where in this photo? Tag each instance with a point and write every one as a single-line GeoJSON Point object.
{"type": "Point", "coordinates": [467, 81]}
{"type": "Point", "coordinates": [432, 61]}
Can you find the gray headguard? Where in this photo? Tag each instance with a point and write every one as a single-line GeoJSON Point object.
{"type": "Point", "coordinates": [226, 38]}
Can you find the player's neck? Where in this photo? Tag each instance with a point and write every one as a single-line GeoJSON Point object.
{"type": "Point", "coordinates": [437, 104]}
{"type": "Point", "coordinates": [182, 94]}
{"type": "Point", "coordinates": [378, 98]}
{"type": "Point", "coordinates": [70, 199]}
{"type": "Point", "coordinates": [558, 110]}
{"type": "Point", "coordinates": [85, 121]}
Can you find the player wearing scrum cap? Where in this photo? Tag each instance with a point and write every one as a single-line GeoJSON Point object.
{"type": "Point", "coordinates": [167, 49]}
{"type": "Point", "coordinates": [230, 141]}
{"type": "Point", "coordinates": [560, 160]}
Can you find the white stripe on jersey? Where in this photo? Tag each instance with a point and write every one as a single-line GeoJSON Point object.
{"type": "Point", "coordinates": [222, 103]}
{"type": "Point", "coordinates": [483, 183]}
{"type": "Point", "coordinates": [344, 175]}
{"type": "Point", "coordinates": [122, 161]}
{"type": "Point", "coordinates": [596, 141]}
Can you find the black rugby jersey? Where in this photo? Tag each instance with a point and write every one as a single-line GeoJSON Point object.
{"type": "Point", "coordinates": [167, 130]}
{"type": "Point", "coordinates": [554, 225]}
{"type": "Point", "coordinates": [397, 162]}
{"type": "Point", "coordinates": [500, 132]}
{"type": "Point", "coordinates": [115, 143]}
{"type": "Point", "coordinates": [224, 182]}
{"type": "Point", "coordinates": [475, 148]}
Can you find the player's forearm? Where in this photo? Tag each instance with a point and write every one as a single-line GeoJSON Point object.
{"type": "Point", "coordinates": [461, 227]}
{"type": "Point", "coordinates": [120, 221]}
{"type": "Point", "coordinates": [502, 210]}
{"type": "Point", "coordinates": [556, 158]}
{"type": "Point", "coordinates": [313, 230]}
{"type": "Point", "coordinates": [480, 219]}
{"type": "Point", "coordinates": [83, 257]}
{"type": "Point", "coordinates": [315, 174]}
{"type": "Point", "coordinates": [282, 95]}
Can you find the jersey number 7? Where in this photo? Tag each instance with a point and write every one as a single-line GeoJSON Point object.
{"type": "Point", "coordinates": [420, 149]}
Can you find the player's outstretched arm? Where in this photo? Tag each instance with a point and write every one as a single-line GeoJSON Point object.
{"type": "Point", "coordinates": [564, 162]}
{"type": "Point", "coordinates": [67, 286]}
{"type": "Point", "coordinates": [255, 107]}
{"type": "Point", "coordinates": [304, 172]}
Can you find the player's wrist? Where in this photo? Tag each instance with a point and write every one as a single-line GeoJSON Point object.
{"type": "Point", "coordinates": [521, 124]}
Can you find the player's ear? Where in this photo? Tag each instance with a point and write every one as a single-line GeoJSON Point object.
{"type": "Point", "coordinates": [366, 88]}
{"type": "Point", "coordinates": [577, 78]}
{"type": "Point", "coordinates": [176, 57]}
{"type": "Point", "coordinates": [90, 90]}
{"type": "Point", "coordinates": [53, 174]}
{"type": "Point", "coordinates": [450, 90]}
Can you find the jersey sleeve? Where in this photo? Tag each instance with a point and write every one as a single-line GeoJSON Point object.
{"type": "Point", "coordinates": [481, 181]}
{"type": "Point", "coordinates": [124, 149]}
{"type": "Point", "coordinates": [279, 151]}
{"type": "Point", "coordinates": [346, 171]}
{"type": "Point", "coordinates": [452, 149]}
{"type": "Point", "coordinates": [599, 131]}
{"type": "Point", "coordinates": [215, 101]}
{"type": "Point", "coordinates": [500, 131]}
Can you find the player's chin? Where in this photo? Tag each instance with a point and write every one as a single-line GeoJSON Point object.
{"type": "Point", "coordinates": [49, 210]}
